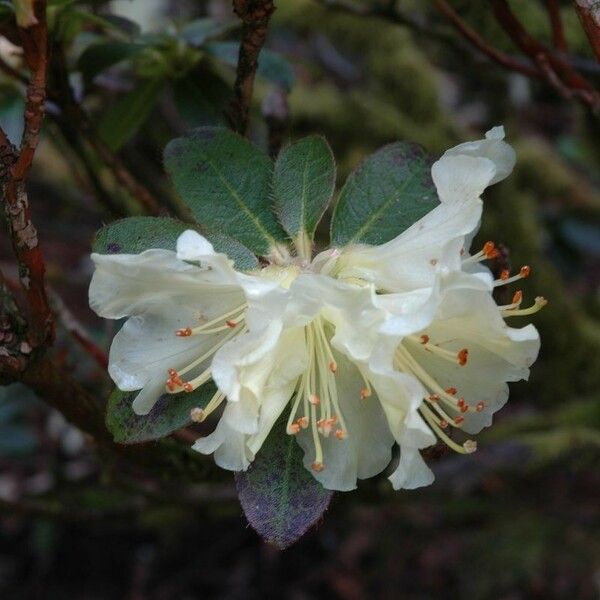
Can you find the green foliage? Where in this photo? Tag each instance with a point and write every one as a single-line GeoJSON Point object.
{"type": "Point", "coordinates": [303, 184]}
{"type": "Point", "coordinates": [280, 498]}
{"type": "Point", "coordinates": [384, 196]}
{"type": "Point", "coordinates": [226, 182]}
{"type": "Point", "coordinates": [170, 413]}
{"type": "Point", "coordinates": [136, 234]}
{"type": "Point", "coordinates": [96, 58]}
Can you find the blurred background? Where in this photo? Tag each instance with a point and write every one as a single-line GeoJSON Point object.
{"type": "Point", "coordinates": [518, 519]}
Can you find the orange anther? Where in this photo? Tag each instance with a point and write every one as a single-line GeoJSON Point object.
{"type": "Point", "coordinates": [185, 332]}
{"type": "Point", "coordinates": [443, 423]}
{"type": "Point", "coordinates": [188, 387]}
{"type": "Point", "coordinates": [364, 393]}
{"type": "Point", "coordinates": [464, 408]}
{"type": "Point", "coordinates": [463, 356]}
{"type": "Point", "coordinates": [333, 366]}
{"type": "Point", "coordinates": [170, 385]}
{"type": "Point", "coordinates": [433, 398]}
{"type": "Point", "coordinates": [525, 271]}
{"type": "Point", "coordinates": [458, 420]}
{"type": "Point", "coordinates": [314, 400]}
{"type": "Point", "coordinates": [424, 339]}
{"type": "Point", "coordinates": [480, 406]}
{"type": "Point", "coordinates": [489, 249]}
{"type": "Point", "coordinates": [293, 429]}
{"type": "Point", "coordinates": [451, 391]}
{"type": "Point", "coordinates": [518, 297]}
{"type": "Point", "coordinates": [172, 372]}
{"type": "Point", "coordinates": [303, 422]}
{"type": "Point", "coordinates": [231, 324]}
{"type": "Point", "coordinates": [318, 466]}
{"type": "Point", "coordinates": [340, 434]}
{"type": "Point", "coordinates": [505, 274]}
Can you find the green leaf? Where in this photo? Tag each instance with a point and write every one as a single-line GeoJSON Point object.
{"type": "Point", "coordinates": [280, 498]}
{"type": "Point", "coordinates": [303, 184]}
{"type": "Point", "coordinates": [200, 31]}
{"type": "Point", "coordinates": [136, 234]}
{"type": "Point", "coordinates": [99, 57]}
{"type": "Point", "coordinates": [122, 120]}
{"type": "Point", "coordinates": [226, 182]}
{"type": "Point", "coordinates": [201, 102]}
{"type": "Point", "coordinates": [271, 66]}
{"type": "Point", "coordinates": [171, 412]}
{"type": "Point", "coordinates": [385, 195]}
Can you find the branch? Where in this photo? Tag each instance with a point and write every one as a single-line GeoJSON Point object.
{"type": "Point", "coordinates": [557, 71]}
{"type": "Point", "coordinates": [589, 15]}
{"type": "Point", "coordinates": [14, 169]}
{"type": "Point", "coordinates": [558, 34]}
{"type": "Point", "coordinates": [255, 15]}
{"type": "Point", "coordinates": [478, 42]}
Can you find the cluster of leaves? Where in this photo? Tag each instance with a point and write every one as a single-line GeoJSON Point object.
{"type": "Point", "coordinates": [248, 207]}
{"type": "Point", "coordinates": [193, 62]}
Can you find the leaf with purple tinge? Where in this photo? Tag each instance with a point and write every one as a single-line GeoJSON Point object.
{"type": "Point", "coordinates": [280, 498]}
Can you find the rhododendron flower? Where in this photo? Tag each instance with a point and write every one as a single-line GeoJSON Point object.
{"type": "Point", "coordinates": [360, 348]}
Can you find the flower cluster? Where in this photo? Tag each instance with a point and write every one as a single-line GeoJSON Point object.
{"type": "Point", "coordinates": [359, 347]}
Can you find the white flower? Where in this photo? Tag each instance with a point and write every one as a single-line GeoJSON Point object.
{"type": "Point", "coordinates": [314, 361]}
{"type": "Point", "coordinates": [179, 314]}
{"type": "Point", "coordinates": [362, 348]}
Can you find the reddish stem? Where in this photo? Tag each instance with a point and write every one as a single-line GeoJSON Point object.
{"type": "Point", "coordinates": [591, 26]}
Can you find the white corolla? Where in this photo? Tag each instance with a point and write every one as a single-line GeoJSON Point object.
{"type": "Point", "coordinates": [357, 350]}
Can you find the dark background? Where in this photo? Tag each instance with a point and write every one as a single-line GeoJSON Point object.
{"type": "Point", "coordinates": [518, 519]}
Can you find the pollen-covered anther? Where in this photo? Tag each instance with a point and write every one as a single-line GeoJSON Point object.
{"type": "Point", "coordinates": [459, 420]}
{"type": "Point", "coordinates": [444, 424]}
{"type": "Point", "coordinates": [188, 387]}
{"type": "Point", "coordinates": [518, 297]}
{"type": "Point", "coordinates": [462, 405]}
{"type": "Point", "coordinates": [424, 339]}
{"type": "Point", "coordinates": [480, 406]}
{"type": "Point", "coordinates": [314, 399]}
{"type": "Point", "coordinates": [302, 422]}
{"type": "Point", "coordinates": [197, 415]}
{"type": "Point", "coordinates": [293, 429]}
{"type": "Point", "coordinates": [525, 271]}
{"type": "Point", "coordinates": [318, 467]}
{"type": "Point", "coordinates": [231, 324]}
{"type": "Point", "coordinates": [490, 250]}
{"type": "Point", "coordinates": [340, 434]}
{"type": "Point", "coordinates": [451, 390]}
{"type": "Point", "coordinates": [470, 446]}
{"type": "Point", "coordinates": [365, 393]}
{"type": "Point", "coordinates": [184, 332]}
{"type": "Point", "coordinates": [433, 398]}
{"type": "Point", "coordinates": [333, 366]}
{"type": "Point", "coordinates": [463, 357]}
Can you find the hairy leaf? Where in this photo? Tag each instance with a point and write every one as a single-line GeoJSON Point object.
{"type": "Point", "coordinates": [385, 195]}
{"type": "Point", "coordinates": [280, 498]}
{"type": "Point", "coordinates": [136, 234]}
{"type": "Point", "coordinates": [303, 184]}
{"type": "Point", "coordinates": [226, 182]}
{"type": "Point", "coordinates": [171, 412]}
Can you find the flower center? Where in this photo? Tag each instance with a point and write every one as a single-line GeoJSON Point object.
{"type": "Point", "coordinates": [316, 402]}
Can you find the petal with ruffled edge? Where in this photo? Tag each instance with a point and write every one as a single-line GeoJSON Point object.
{"type": "Point", "coordinates": [494, 148]}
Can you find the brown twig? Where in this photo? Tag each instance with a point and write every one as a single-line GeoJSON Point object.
{"type": "Point", "coordinates": [255, 15]}
{"type": "Point", "coordinates": [556, 70]}
{"type": "Point", "coordinates": [478, 42]}
{"type": "Point", "coordinates": [15, 167]}
{"type": "Point", "coordinates": [68, 320]}
{"type": "Point", "coordinates": [558, 34]}
{"type": "Point", "coordinates": [590, 20]}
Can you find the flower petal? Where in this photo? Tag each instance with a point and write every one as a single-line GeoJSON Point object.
{"type": "Point", "coordinates": [412, 471]}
